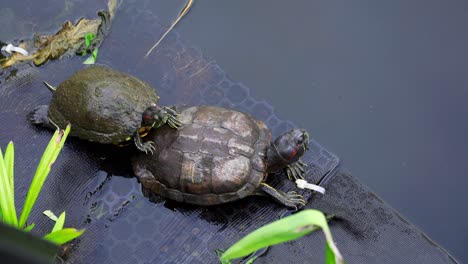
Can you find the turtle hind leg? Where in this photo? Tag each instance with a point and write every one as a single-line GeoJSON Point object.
{"type": "Point", "coordinates": [290, 199]}
{"type": "Point", "coordinates": [38, 116]}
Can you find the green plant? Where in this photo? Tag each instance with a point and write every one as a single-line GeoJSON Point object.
{"type": "Point", "coordinates": [8, 215]}
{"type": "Point", "coordinates": [283, 230]}
{"type": "Point", "coordinates": [91, 59]}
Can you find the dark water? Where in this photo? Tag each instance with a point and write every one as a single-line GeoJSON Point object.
{"type": "Point", "coordinates": [383, 85]}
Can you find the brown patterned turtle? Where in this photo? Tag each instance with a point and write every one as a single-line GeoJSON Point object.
{"type": "Point", "coordinates": [219, 155]}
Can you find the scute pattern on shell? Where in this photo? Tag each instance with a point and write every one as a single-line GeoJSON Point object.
{"type": "Point", "coordinates": [102, 104]}
{"type": "Point", "coordinates": [217, 156]}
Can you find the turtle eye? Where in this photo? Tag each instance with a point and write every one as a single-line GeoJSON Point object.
{"type": "Point", "coordinates": [303, 140]}
{"type": "Point", "coordinates": [300, 140]}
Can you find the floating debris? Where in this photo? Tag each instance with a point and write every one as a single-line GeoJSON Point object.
{"type": "Point", "coordinates": [68, 40]}
{"type": "Point", "coordinates": [182, 13]}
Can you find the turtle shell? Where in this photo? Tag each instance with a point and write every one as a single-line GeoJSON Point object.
{"type": "Point", "coordinates": [218, 155]}
{"type": "Point", "coordinates": [102, 104]}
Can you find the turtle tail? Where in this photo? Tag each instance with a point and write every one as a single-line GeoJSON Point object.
{"type": "Point", "coordinates": [50, 87]}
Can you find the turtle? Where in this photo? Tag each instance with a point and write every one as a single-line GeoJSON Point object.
{"type": "Point", "coordinates": [105, 106]}
{"type": "Point", "coordinates": [219, 155]}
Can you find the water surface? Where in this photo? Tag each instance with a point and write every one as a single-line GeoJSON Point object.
{"type": "Point", "coordinates": [382, 84]}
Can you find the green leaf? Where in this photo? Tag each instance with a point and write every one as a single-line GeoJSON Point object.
{"type": "Point", "coordinates": [63, 236]}
{"type": "Point", "coordinates": [43, 169]}
{"type": "Point", "coordinates": [280, 231]}
{"type": "Point", "coordinates": [7, 201]}
{"type": "Point", "coordinates": [29, 227]}
{"type": "Point", "coordinates": [59, 223]}
{"type": "Point", "coordinates": [91, 59]}
{"type": "Point", "coordinates": [50, 214]}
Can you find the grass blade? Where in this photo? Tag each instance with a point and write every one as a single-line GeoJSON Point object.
{"type": "Point", "coordinates": [63, 236]}
{"type": "Point", "coordinates": [43, 169]}
{"type": "Point", "coordinates": [38, 179]}
{"type": "Point", "coordinates": [283, 230]}
{"type": "Point", "coordinates": [182, 13]}
{"type": "Point", "coordinates": [7, 203]}
{"type": "Point", "coordinates": [61, 142]}
{"type": "Point", "coordinates": [9, 163]}
{"type": "Point", "coordinates": [59, 223]}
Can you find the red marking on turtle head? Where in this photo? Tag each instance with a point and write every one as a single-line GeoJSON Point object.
{"type": "Point", "coordinates": [293, 153]}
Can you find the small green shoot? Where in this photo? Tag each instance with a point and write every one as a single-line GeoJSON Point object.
{"type": "Point", "coordinates": [91, 59]}
{"type": "Point", "coordinates": [59, 223]}
{"type": "Point", "coordinates": [88, 38]}
{"type": "Point", "coordinates": [63, 236]}
{"type": "Point", "coordinates": [29, 227]}
{"type": "Point", "coordinates": [8, 213]}
{"type": "Point", "coordinates": [283, 230]}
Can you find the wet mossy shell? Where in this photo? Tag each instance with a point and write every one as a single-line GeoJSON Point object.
{"type": "Point", "coordinates": [102, 104]}
{"type": "Point", "coordinates": [218, 155]}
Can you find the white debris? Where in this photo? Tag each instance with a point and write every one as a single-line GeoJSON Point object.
{"type": "Point", "coordinates": [302, 184]}
{"type": "Point", "coordinates": [10, 49]}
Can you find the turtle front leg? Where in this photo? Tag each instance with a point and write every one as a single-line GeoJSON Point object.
{"type": "Point", "coordinates": [166, 115]}
{"type": "Point", "coordinates": [146, 146]}
{"type": "Point", "coordinates": [290, 199]}
{"type": "Point", "coordinates": [296, 170]}
{"type": "Point", "coordinates": [173, 119]}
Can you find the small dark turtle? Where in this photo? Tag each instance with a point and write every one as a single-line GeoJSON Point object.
{"type": "Point", "coordinates": [220, 155]}
{"type": "Point", "coordinates": [105, 106]}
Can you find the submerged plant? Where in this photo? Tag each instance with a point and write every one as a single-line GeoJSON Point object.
{"type": "Point", "coordinates": [283, 230]}
{"type": "Point", "coordinates": [8, 212]}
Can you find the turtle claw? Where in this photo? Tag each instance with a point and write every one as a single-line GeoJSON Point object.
{"type": "Point", "coordinates": [296, 170]}
{"type": "Point", "coordinates": [290, 199]}
{"type": "Point", "coordinates": [173, 119]}
{"type": "Point", "coordinates": [295, 200]}
{"type": "Point", "coordinates": [148, 146]}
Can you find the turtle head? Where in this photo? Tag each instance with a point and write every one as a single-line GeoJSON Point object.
{"type": "Point", "coordinates": [287, 149]}
{"type": "Point", "coordinates": [154, 116]}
